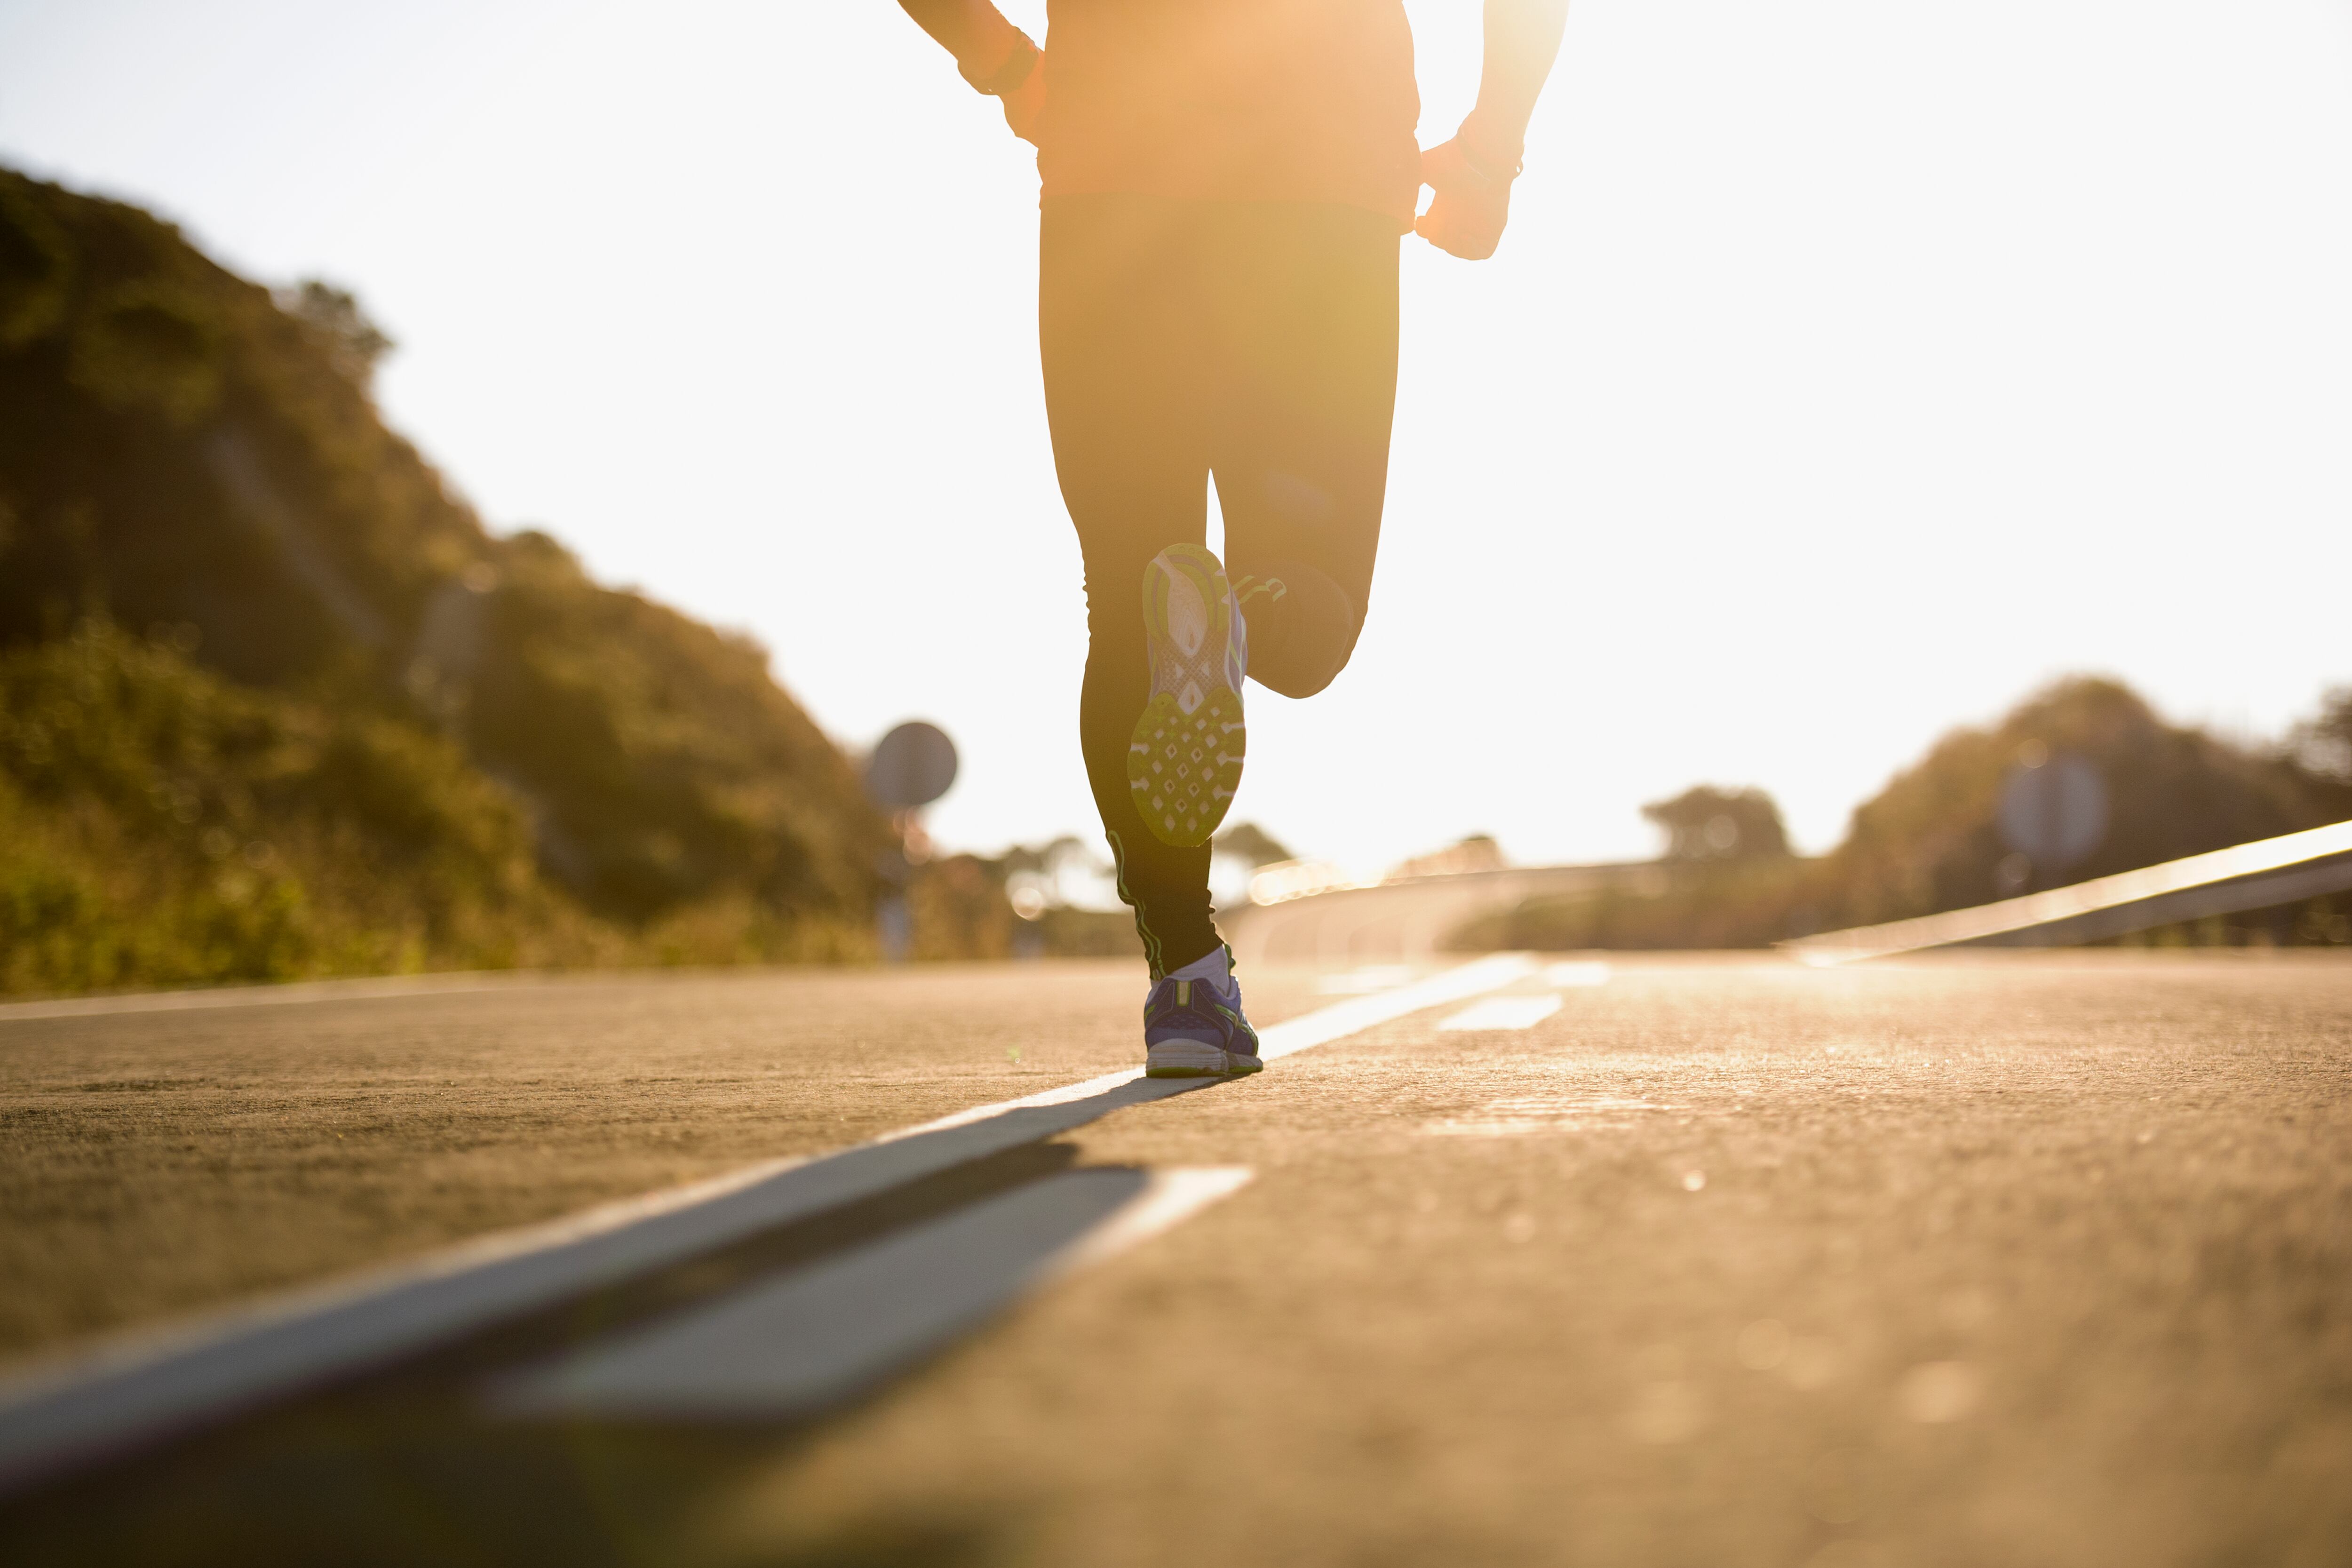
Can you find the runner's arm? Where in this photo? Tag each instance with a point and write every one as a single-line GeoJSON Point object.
{"type": "Point", "coordinates": [993, 54]}
{"type": "Point", "coordinates": [1522, 40]}
{"type": "Point", "coordinates": [1472, 174]}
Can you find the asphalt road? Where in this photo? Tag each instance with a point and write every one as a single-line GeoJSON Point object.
{"type": "Point", "coordinates": [2011, 1259]}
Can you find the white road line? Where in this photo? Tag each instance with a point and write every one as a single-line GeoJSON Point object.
{"type": "Point", "coordinates": [376, 989]}
{"type": "Point", "coordinates": [1581, 973]}
{"type": "Point", "coordinates": [1327, 1024]}
{"type": "Point", "coordinates": [1504, 1013]}
{"type": "Point", "coordinates": [1277, 1040]}
{"type": "Point", "coordinates": [1370, 977]}
{"type": "Point", "coordinates": [147, 1383]}
{"type": "Point", "coordinates": [814, 1337]}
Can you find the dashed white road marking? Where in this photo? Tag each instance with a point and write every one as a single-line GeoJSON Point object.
{"type": "Point", "coordinates": [814, 1337]}
{"type": "Point", "coordinates": [1370, 977]}
{"type": "Point", "coordinates": [1504, 1013]}
{"type": "Point", "coordinates": [151, 1383]}
{"type": "Point", "coordinates": [1327, 1024]}
{"type": "Point", "coordinates": [1581, 973]}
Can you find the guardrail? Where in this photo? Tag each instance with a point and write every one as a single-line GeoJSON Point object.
{"type": "Point", "coordinates": [1289, 880]}
{"type": "Point", "coordinates": [2253, 875]}
{"type": "Point", "coordinates": [1319, 915]}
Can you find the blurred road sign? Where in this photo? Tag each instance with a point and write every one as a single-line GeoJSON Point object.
{"type": "Point", "coordinates": [2053, 811]}
{"type": "Point", "coordinates": [913, 766]}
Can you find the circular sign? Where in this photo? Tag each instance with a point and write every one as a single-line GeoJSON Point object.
{"type": "Point", "coordinates": [913, 765]}
{"type": "Point", "coordinates": [2054, 810]}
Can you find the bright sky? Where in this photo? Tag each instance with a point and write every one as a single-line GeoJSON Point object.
{"type": "Point", "coordinates": [1849, 369]}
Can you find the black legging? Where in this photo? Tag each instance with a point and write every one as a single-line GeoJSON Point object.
{"type": "Point", "coordinates": [1254, 340]}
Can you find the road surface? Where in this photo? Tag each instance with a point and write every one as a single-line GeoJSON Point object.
{"type": "Point", "coordinates": [2014, 1259]}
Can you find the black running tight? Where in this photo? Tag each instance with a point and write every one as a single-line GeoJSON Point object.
{"type": "Point", "coordinates": [1255, 342]}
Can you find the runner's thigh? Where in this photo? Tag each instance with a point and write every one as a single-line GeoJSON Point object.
{"type": "Point", "coordinates": [1303, 298]}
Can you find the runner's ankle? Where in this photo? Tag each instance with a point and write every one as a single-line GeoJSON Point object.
{"type": "Point", "coordinates": [1215, 967]}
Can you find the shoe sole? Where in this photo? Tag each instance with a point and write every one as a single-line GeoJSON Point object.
{"type": "Point", "coordinates": [1184, 763]}
{"type": "Point", "coordinates": [1191, 1059]}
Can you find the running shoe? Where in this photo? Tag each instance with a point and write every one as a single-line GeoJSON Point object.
{"type": "Point", "coordinates": [1185, 762]}
{"type": "Point", "coordinates": [1190, 1030]}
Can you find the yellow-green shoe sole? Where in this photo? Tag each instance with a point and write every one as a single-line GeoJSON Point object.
{"type": "Point", "coordinates": [1185, 767]}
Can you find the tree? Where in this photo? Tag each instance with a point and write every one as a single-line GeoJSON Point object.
{"type": "Point", "coordinates": [353, 341]}
{"type": "Point", "coordinates": [2322, 744]}
{"type": "Point", "coordinates": [1247, 841]}
{"type": "Point", "coordinates": [1707, 823]}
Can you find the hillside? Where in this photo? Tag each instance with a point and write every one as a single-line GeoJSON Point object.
{"type": "Point", "coordinates": [1931, 839]}
{"type": "Point", "coordinates": [273, 701]}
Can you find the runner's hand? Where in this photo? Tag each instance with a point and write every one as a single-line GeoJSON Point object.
{"type": "Point", "coordinates": [1027, 103]}
{"type": "Point", "coordinates": [1466, 218]}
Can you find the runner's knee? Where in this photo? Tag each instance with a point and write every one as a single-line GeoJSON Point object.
{"type": "Point", "coordinates": [1300, 641]}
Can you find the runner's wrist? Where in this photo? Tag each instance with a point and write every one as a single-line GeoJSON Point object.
{"type": "Point", "coordinates": [1003, 73]}
{"type": "Point", "coordinates": [1493, 154]}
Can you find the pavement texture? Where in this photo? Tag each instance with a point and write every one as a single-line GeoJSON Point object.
{"type": "Point", "coordinates": [2015, 1258]}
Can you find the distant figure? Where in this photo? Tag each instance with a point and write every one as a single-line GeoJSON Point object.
{"type": "Point", "coordinates": [1225, 182]}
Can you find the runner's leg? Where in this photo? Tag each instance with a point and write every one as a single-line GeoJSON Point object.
{"type": "Point", "coordinates": [1121, 333]}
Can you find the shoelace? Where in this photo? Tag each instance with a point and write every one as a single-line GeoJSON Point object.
{"type": "Point", "coordinates": [1244, 589]}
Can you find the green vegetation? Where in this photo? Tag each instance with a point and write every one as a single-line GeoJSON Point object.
{"type": "Point", "coordinates": [1931, 839]}
{"type": "Point", "coordinates": [274, 703]}
{"type": "Point", "coordinates": [159, 823]}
